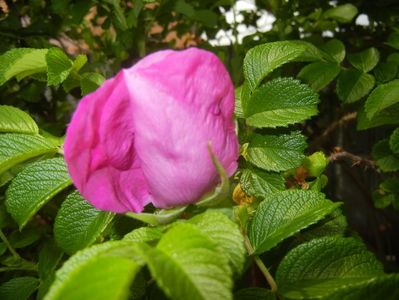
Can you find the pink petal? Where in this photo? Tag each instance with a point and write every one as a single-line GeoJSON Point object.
{"type": "Point", "coordinates": [99, 150]}
{"type": "Point", "coordinates": [181, 101]}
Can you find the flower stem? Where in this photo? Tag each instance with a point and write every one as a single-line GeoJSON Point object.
{"type": "Point", "coordinates": [8, 245]}
{"type": "Point", "coordinates": [261, 265]}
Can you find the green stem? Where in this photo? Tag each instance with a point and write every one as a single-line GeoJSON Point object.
{"type": "Point", "coordinates": [261, 265]}
{"type": "Point", "coordinates": [8, 245]}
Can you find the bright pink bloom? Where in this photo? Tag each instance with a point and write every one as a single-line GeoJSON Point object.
{"type": "Point", "coordinates": [142, 136]}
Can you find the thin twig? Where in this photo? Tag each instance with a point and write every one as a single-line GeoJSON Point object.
{"type": "Point", "coordinates": [8, 245]}
{"type": "Point", "coordinates": [338, 123]}
{"type": "Point", "coordinates": [340, 154]}
{"type": "Point", "coordinates": [261, 265]}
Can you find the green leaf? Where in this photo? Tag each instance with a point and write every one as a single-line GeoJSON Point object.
{"type": "Point", "coordinates": [19, 288]}
{"type": "Point", "coordinates": [322, 266]}
{"type": "Point", "coordinates": [385, 72]}
{"type": "Point", "coordinates": [238, 110]}
{"type": "Point", "coordinates": [390, 185]}
{"type": "Point", "coordinates": [13, 119]}
{"type": "Point", "coordinates": [283, 214]}
{"type": "Point", "coordinates": [206, 17]}
{"type": "Point", "coordinates": [24, 238]}
{"type": "Point", "coordinates": [254, 293]}
{"type": "Point", "coordinates": [59, 66]}
{"type": "Point", "coordinates": [353, 85]}
{"type": "Point", "coordinates": [101, 272]}
{"type": "Point", "coordinates": [263, 59]}
{"type": "Point", "coordinates": [22, 62]}
{"type": "Point", "coordinates": [381, 287]}
{"type": "Point", "coordinates": [316, 163]}
{"type": "Point", "coordinates": [393, 40]}
{"type": "Point", "coordinates": [17, 148]}
{"type": "Point", "coordinates": [186, 264]}
{"type": "Point", "coordinates": [144, 234]}
{"type": "Point", "coordinates": [281, 102]}
{"type": "Point", "coordinates": [226, 234]}
{"type": "Point", "coordinates": [259, 183]}
{"type": "Point", "coordinates": [35, 186]}
{"type": "Point", "coordinates": [384, 117]}
{"type": "Point", "coordinates": [383, 96]}
{"type": "Point", "coordinates": [90, 81]}
{"type": "Point", "coordinates": [366, 60]}
{"type": "Point", "coordinates": [341, 13]}
{"type": "Point", "coordinates": [184, 8]}
{"type": "Point", "coordinates": [319, 74]}
{"type": "Point", "coordinates": [49, 257]}
{"type": "Point", "coordinates": [394, 141]}
{"type": "Point", "coordinates": [393, 58]}
{"type": "Point", "coordinates": [385, 159]}
{"type": "Point", "coordinates": [334, 224]}
{"type": "Point", "coordinates": [277, 152]}
{"type": "Point", "coordinates": [78, 224]}
{"type": "Point", "coordinates": [336, 50]}
{"type": "Point", "coordinates": [311, 53]}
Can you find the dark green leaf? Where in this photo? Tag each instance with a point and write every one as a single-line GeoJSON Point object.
{"type": "Point", "coordinates": [394, 141]}
{"type": "Point", "coordinates": [353, 85]}
{"type": "Point", "coordinates": [341, 13]}
{"type": "Point", "coordinates": [336, 50]}
{"type": "Point", "coordinates": [254, 293]}
{"type": "Point", "coordinates": [322, 266]}
{"type": "Point", "coordinates": [385, 159]}
{"type": "Point", "coordinates": [366, 60]}
{"type": "Point", "coordinates": [19, 288]}
{"type": "Point", "coordinates": [319, 74]}
{"type": "Point", "coordinates": [393, 40]}
{"type": "Point", "coordinates": [384, 117]}
{"type": "Point", "coordinates": [24, 238]}
{"type": "Point", "coordinates": [385, 72]}
{"type": "Point", "coordinates": [35, 186]}
{"type": "Point", "coordinates": [78, 224]}
{"type": "Point", "coordinates": [383, 96]}
{"type": "Point", "coordinates": [285, 213]}
{"type": "Point", "coordinates": [277, 152]}
{"type": "Point", "coordinates": [281, 102]}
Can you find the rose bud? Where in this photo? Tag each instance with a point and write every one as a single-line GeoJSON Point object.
{"type": "Point", "coordinates": [142, 137]}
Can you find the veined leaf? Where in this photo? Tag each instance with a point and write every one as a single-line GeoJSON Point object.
{"type": "Point", "coordinates": [259, 183]}
{"type": "Point", "coordinates": [341, 13]}
{"type": "Point", "coordinates": [319, 74]}
{"type": "Point", "coordinates": [277, 152]}
{"type": "Point", "coordinates": [226, 234]}
{"type": "Point", "coordinates": [285, 213]}
{"type": "Point", "coordinates": [90, 81]}
{"type": "Point", "coordinates": [377, 288]}
{"type": "Point", "coordinates": [13, 119]}
{"type": "Point", "coordinates": [58, 66]}
{"type": "Point", "coordinates": [78, 224]}
{"type": "Point", "coordinates": [385, 159]}
{"type": "Point", "coordinates": [394, 141]}
{"type": "Point", "coordinates": [34, 187]}
{"type": "Point", "coordinates": [101, 272]}
{"type": "Point", "coordinates": [281, 102]}
{"type": "Point", "coordinates": [16, 148]}
{"type": "Point", "coordinates": [22, 62]}
{"type": "Point", "coordinates": [263, 59]}
{"type": "Point", "coordinates": [19, 288]}
{"type": "Point", "coordinates": [366, 60]}
{"type": "Point", "coordinates": [385, 72]}
{"type": "Point", "coordinates": [384, 96]}
{"type": "Point", "coordinates": [144, 234]}
{"type": "Point", "coordinates": [384, 117]}
{"type": "Point", "coordinates": [323, 266]}
{"type": "Point", "coordinates": [186, 264]}
{"type": "Point", "coordinates": [336, 50]}
{"type": "Point", "coordinates": [352, 85]}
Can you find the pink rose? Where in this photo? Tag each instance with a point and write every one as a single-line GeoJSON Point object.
{"type": "Point", "coordinates": [142, 136]}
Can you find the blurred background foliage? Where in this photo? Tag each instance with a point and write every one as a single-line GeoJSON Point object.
{"type": "Point", "coordinates": [116, 33]}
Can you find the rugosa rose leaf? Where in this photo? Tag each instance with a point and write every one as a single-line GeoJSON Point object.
{"type": "Point", "coordinates": [143, 135]}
